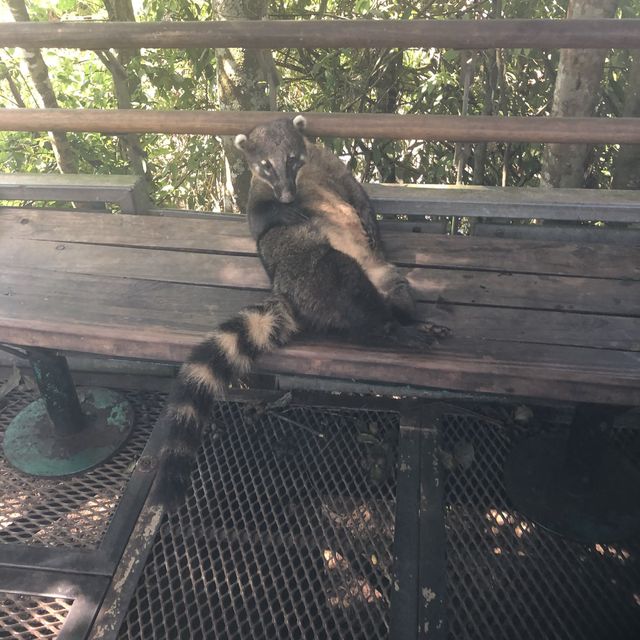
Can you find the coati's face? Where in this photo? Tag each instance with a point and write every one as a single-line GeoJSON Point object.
{"type": "Point", "coordinates": [275, 153]}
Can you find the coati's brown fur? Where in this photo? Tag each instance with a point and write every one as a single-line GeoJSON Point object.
{"type": "Point", "coordinates": [317, 237]}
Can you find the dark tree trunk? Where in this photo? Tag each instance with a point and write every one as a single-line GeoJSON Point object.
{"type": "Point", "coordinates": [247, 81]}
{"type": "Point", "coordinates": [626, 171]}
{"type": "Point", "coordinates": [64, 153]}
{"type": "Point", "coordinates": [577, 93]}
{"type": "Point", "coordinates": [116, 63]}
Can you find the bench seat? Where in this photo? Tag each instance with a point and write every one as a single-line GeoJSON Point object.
{"type": "Point", "coordinates": [530, 318]}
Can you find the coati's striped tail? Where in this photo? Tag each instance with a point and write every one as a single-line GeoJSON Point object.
{"type": "Point", "coordinates": [224, 355]}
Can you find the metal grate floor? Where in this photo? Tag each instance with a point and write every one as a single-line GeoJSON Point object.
{"type": "Point", "coordinates": [509, 578]}
{"type": "Point", "coordinates": [61, 539]}
{"type": "Point", "coordinates": [288, 533]}
{"type": "Point", "coordinates": [69, 512]}
{"type": "Point", "coordinates": [27, 617]}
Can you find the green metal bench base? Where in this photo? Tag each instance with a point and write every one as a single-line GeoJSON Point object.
{"type": "Point", "coordinates": [65, 432]}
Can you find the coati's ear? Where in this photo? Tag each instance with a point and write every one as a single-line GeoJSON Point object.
{"type": "Point", "coordinates": [241, 142]}
{"type": "Point", "coordinates": [300, 122]}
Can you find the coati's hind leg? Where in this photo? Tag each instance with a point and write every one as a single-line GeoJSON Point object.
{"type": "Point", "coordinates": [394, 288]}
{"type": "Point", "coordinates": [397, 293]}
{"type": "Point", "coordinates": [401, 300]}
{"type": "Point", "coordinates": [332, 293]}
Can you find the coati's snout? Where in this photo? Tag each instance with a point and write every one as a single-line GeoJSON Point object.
{"type": "Point", "coordinates": [275, 153]}
{"type": "Point", "coordinates": [284, 193]}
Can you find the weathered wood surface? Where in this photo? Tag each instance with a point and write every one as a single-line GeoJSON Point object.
{"type": "Point", "coordinates": [194, 308]}
{"type": "Point", "coordinates": [461, 286]}
{"type": "Point", "coordinates": [347, 125]}
{"type": "Point", "coordinates": [585, 234]}
{"type": "Point", "coordinates": [230, 236]}
{"type": "Point", "coordinates": [273, 34]}
{"type": "Point", "coordinates": [530, 318]}
{"type": "Point", "coordinates": [126, 190]}
{"type": "Point", "coordinates": [81, 180]}
{"type": "Point", "coordinates": [608, 205]}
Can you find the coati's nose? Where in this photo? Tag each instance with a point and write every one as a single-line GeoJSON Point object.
{"type": "Point", "coordinates": [286, 197]}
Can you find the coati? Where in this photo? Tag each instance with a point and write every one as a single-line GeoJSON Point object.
{"type": "Point", "coordinates": [317, 237]}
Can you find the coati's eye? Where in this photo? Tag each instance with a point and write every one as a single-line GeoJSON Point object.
{"type": "Point", "coordinates": [266, 165]}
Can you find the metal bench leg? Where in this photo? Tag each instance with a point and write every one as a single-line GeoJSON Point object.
{"type": "Point", "coordinates": [418, 598]}
{"type": "Point", "coordinates": [65, 432]}
{"type": "Point", "coordinates": [580, 487]}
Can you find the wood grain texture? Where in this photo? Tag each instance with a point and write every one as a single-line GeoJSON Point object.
{"type": "Point", "coordinates": [348, 125]}
{"type": "Point", "coordinates": [61, 297]}
{"type": "Point", "coordinates": [507, 202]}
{"type": "Point", "coordinates": [231, 236]}
{"type": "Point", "coordinates": [125, 286]}
{"type": "Point", "coordinates": [583, 235]}
{"type": "Point", "coordinates": [562, 373]}
{"type": "Point", "coordinates": [461, 286]}
{"type": "Point", "coordinates": [80, 180]}
{"type": "Point", "coordinates": [273, 34]}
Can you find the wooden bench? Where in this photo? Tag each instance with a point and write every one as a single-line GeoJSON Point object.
{"type": "Point", "coordinates": [530, 318]}
{"type": "Point", "coordinates": [127, 191]}
{"type": "Point", "coordinates": [534, 318]}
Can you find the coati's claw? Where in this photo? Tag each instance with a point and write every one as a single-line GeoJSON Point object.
{"type": "Point", "coordinates": [417, 337]}
{"type": "Point", "coordinates": [436, 331]}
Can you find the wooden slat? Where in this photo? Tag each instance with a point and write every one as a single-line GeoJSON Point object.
{"type": "Point", "coordinates": [585, 295]}
{"type": "Point", "coordinates": [543, 372]}
{"type": "Point", "coordinates": [142, 304]}
{"type": "Point", "coordinates": [614, 297]}
{"type": "Point", "coordinates": [196, 234]}
{"type": "Point", "coordinates": [536, 327]}
{"type": "Point", "coordinates": [94, 299]}
{"type": "Point", "coordinates": [508, 202]}
{"type": "Point", "coordinates": [349, 125]}
{"type": "Point", "coordinates": [125, 262]}
{"type": "Point", "coordinates": [272, 34]}
{"type": "Point", "coordinates": [81, 180]}
{"type": "Point", "coordinates": [589, 235]}
{"type": "Point", "coordinates": [514, 256]}
{"type": "Point", "coordinates": [60, 312]}
{"type": "Point", "coordinates": [127, 191]}
{"type": "Point", "coordinates": [232, 236]}
{"type": "Point", "coordinates": [563, 373]}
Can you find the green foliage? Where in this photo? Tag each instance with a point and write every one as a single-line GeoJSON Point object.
{"type": "Point", "coordinates": [188, 171]}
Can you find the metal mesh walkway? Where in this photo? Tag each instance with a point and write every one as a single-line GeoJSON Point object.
{"type": "Point", "coordinates": [291, 530]}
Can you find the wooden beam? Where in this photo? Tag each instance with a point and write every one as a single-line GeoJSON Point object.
{"type": "Point", "coordinates": [275, 34]}
{"type": "Point", "coordinates": [348, 125]}
{"type": "Point", "coordinates": [126, 190]}
{"type": "Point", "coordinates": [609, 205]}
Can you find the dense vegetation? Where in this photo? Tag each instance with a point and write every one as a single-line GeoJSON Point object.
{"type": "Point", "coordinates": [188, 171]}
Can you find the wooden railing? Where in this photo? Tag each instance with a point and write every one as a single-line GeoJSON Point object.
{"type": "Point", "coordinates": [348, 125]}
{"type": "Point", "coordinates": [456, 34]}
{"type": "Point", "coordinates": [279, 34]}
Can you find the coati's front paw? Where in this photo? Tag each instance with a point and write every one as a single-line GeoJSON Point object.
{"type": "Point", "coordinates": [436, 331]}
{"type": "Point", "coordinates": [416, 337]}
